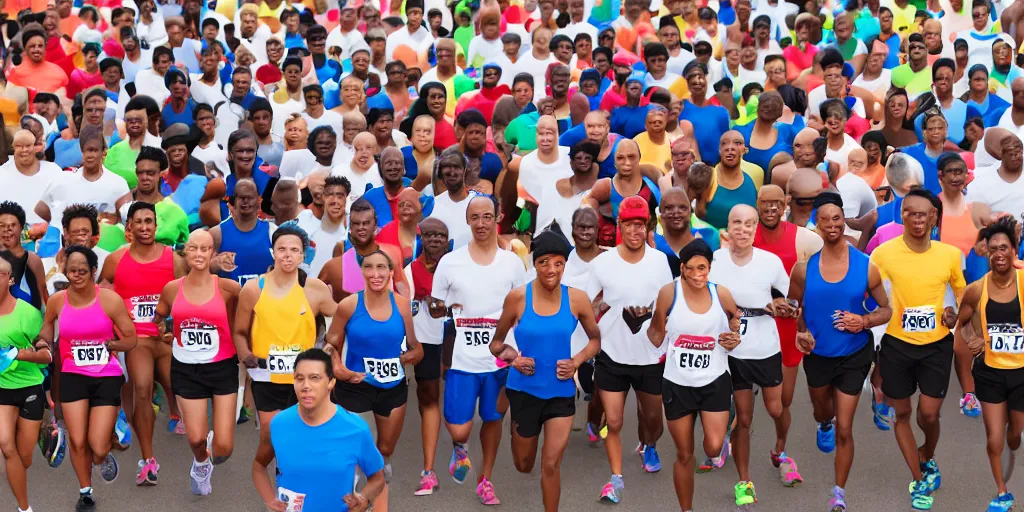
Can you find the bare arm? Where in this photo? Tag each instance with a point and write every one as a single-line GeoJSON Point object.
{"type": "Point", "coordinates": [511, 310]}
{"type": "Point", "coordinates": [43, 211]}
{"type": "Point", "coordinates": [796, 290]}
{"type": "Point", "coordinates": [415, 353]}
{"type": "Point", "coordinates": [36, 265]}
{"type": "Point", "coordinates": [261, 477]}
{"type": "Point", "coordinates": [110, 266]}
{"type": "Point", "coordinates": [163, 307]}
{"type": "Point", "coordinates": [335, 339]}
{"type": "Point", "coordinates": [656, 331]}
{"type": "Point", "coordinates": [118, 313]}
{"type": "Point", "coordinates": [243, 323]}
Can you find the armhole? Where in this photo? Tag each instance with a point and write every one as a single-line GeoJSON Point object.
{"type": "Point", "coordinates": [675, 295]}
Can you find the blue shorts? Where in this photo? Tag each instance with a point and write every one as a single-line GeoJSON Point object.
{"type": "Point", "coordinates": [462, 390]}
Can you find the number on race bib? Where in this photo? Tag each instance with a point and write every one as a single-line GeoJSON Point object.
{"type": "Point", "coordinates": [475, 338]}
{"type": "Point", "coordinates": [89, 354]}
{"type": "Point", "coordinates": [919, 319]}
{"type": "Point", "coordinates": [384, 371]}
{"type": "Point", "coordinates": [1006, 338]}
{"type": "Point", "coordinates": [694, 361]}
{"type": "Point", "coordinates": [200, 340]}
{"type": "Point", "coordinates": [281, 363]}
{"type": "Point", "coordinates": [144, 308]}
{"type": "Point", "coordinates": [743, 326]}
{"type": "Point", "coordinates": [294, 501]}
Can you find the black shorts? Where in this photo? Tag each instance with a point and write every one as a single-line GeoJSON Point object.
{"type": "Point", "coordinates": [845, 373]}
{"type": "Point", "coordinates": [100, 391]}
{"type": "Point", "coordinates": [906, 367]}
{"type": "Point", "coordinates": [681, 401]}
{"type": "Point", "coordinates": [618, 378]}
{"type": "Point", "coordinates": [766, 373]}
{"type": "Point", "coordinates": [995, 386]}
{"type": "Point", "coordinates": [529, 413]}
{"type": "Point", "coordinates": [203, 381]}
{"type": "Point", "coordinates": [30, 401]}
{"type": "Point", "coordinates": [365, 397]}
{"type": "Point", "coordinates": [271, 397]}
{"type": "Point", "coordinates": [429, 368]}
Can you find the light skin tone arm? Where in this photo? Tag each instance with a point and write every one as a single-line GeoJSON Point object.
{"type": "Point", "coordinates": [163, 307]}
{"type": "Point", "coordinates": [114, 307]}
{"type": "Point", "coordinates": [854, 323]}
{"type": "Point", "coordinates": [261, 479]}
{"type": "Point", "coordinates": [44, 341]}
{"type": "Point", "coordinates": [601, 193]}
{"type": "Point", "coordinates": [656, 331]}
{"type": "Point", "coordinates": [729, 340]}
{"type": "Point", "coordinates": [336, 340]}
{"type": "Point", "coordinates": [243, 323]}
{"type": "Point", "coordinates": [584, 311]}
{"type": "Point", "coordinates": [361, 502]}
{"type": "Point", "coordinates": [110, 266]}
{"type": "Point", "coordinates": [320, 297]}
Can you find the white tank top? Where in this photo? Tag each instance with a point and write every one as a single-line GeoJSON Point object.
{"type": "Point", "coordinates": [694, 358]}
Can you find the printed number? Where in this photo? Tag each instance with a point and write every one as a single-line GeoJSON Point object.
{"type": "Point", "coordinates": [694, 361]}
{"type": "Point", "coordinates": [477, 338]}
{"type": "Point", "coordinates": [1008, 343]}
{"type": "Point", "coordinates": [145, 310]}
{"type": "Point", "coordinates": [280, 364]}
{"type": "Point", "coordinates": [385, 369]}
{"type": "Point", "coordinates": [198, 338]}
{"type": "Point", "coordinates": [86, 356]}
{"type": "Point", "coordinates": [918, 323]}
{"type": "Point", "coordinates": [743, 326]}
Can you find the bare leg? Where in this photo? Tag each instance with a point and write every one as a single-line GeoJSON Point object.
{"type": "Point", "coordinates": [141, 362]}
{"type": "Point", "coordinates": [681, 431]}
{"type": "Point", "coordinates": [76, 417]}
{"type": "Point", "coordinates": [928, 420]}
{"type": "Point", "coordinates": [995, 417]}
{"type": "Point", "coordinates": [16, 469]}
{"type": "Point", "coordinates": [905, 435]}
{"type": "Point", "coordinates": [427, 399]}
{"type": "Point", "coordinates": [845, 408]}
{"type": "Point", "coordinates": [962, 360]}
{"type": "Point", "coordinates": [783, 422]}
{"type": "Point", "coordinates": [556, 438]}
{"type": "Point", "coordinates": [389, 429]}
{"type": "Point", "coordinates": [744, 400]}
{"type": "Point", "coordinates": [614, 402]}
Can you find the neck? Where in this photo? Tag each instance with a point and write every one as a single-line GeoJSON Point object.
{"type": "Point", "coordinates": [396, 87]}
{"type": "Point", "coordinates": [835, 250]}
{"type": "Point", "coordinates": [680, 238]}
{"type": "Point", "coordinates": [741, 253]}
{"type": "Point", "coordinates": [458, 195]}
{"type": "Point", "coordinates": [917, 244]}
{"type": "Point", "coordinates": [799, 218]}
{"type": "Point", "coordinates": [319, 414]}
{"type": "Point", "coordinates": [918, 66]}
{"type": "Point", "coordinates": [698, 101]}
{"type": "Point", "coordinates": [245, 223]}
{"type": "Point", "coordinates": [978, 96]}
{"type": "Point", "coordinates": [393, 188]}
{"type": "Point", "coordinates": [153, 197]}
{"type": "Point", "coordinates": [29, 169]}
{"type": "Point", "coordinates": [331, 223]}
{"type": "Point", "coordinates": [1008, 175]}
{"type": "Point", "coordinates": [588, 253]}
{"type": "Point", "coordinates": [771, 234]}
{"type": "Point", "coordinates": [657, 137]}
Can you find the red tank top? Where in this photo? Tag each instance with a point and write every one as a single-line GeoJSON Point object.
{"type": "Point", "coordinates": [422, 279]}
{"type": "Point", "coordinates": [140, 284]}
{"type": "Point", "coordinates": [785, 249]}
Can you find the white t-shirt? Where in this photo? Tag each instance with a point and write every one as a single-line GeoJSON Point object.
{"type": "Point", "coordinates": [534, 66]}
{"type": "Point", "coordinates": [990, 189]}
{"type": "Point", "coordinates": [28, 190]}
{"type": "Point", "coordinates": [883, 82]}
{"type": "Point", "coordinates": [817, 96]}
{"type": "Point", "coordinates": [481, 291]}
{"type": "Point", "coordinates": [484, 51]}
{"type": "Point", "coordinates": [676, 64]}
{"type": "Point", "coordinates": [148, 83]}
{"type": "Point", "coordinates": [329, 118]}
{"type": "Point", "coordinates": [577, 275]}
{"type": "Point", "coordinates": [429, 330]}
{"type": "Point", "coordinates": [751, 286]}
{"type": "Point", "coordinates": [324, 241]}
{"type": "Point", "coordinates": [346, 41]}
{"type": "Point", "coordinates": [361, 181]}
{"type": "Point", "coordinates": [307, 221]}
{"type": "Point", "coordinates": [624, 285]}
{"type": "Point", "coordinates": [454, 217]}
{"type": "Point", "coordinates": [583, 27]}
{"type": "Point", "coordinates": [841, 156]}
{"type": "Point", "coordinates": [554, 207]}
{"type": "Point", "coordinates": [858, 199]}
{"type": "Point", "coordinates": [73, 188]}
{"type": "Point", "coordinates": [537, 177]}
{"type": "Point", "coordinates": [213, 153]}
{"type": "Point", "coordinates": [418, 41]}
{"type": "Point", "coordinates": [1006, 121]}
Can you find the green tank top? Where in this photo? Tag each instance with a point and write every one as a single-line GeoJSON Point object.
{"type": "Point", "coordinates": [19, 329]}
{"type": "Point", "coordinates": [724, 199]}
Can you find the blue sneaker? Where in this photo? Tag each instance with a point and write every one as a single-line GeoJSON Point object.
{"type": "Point", "coordinates": [826, 437]}
{"type": "Point", "coordinates": [884, 414]}
{"type": "Point", "coordinates": [970, 406]}
{"type": "Point", "coordinates": [931, 476]}
{"type": "Point", "coordinates": [919, 498]}
{"type": "Point", "coordinates": [1001, 503]}
{"type": "Point", "coordinates": [612, 491]}
{"type": "Point", "coordinates": [651, 461]}
{"type": "Point", "coordinates": [459, 465]}
{"type": "Point", "coordinates": [123, 431]}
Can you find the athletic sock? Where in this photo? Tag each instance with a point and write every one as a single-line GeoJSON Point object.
{"type": "Point", "coordinates": [29, 509]}
{"type": "Point", "coordinates": [825, 426]}
{"type": "Point", "coordinates": [85, 490]}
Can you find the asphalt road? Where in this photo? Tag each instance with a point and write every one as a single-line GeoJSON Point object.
{"type": "Point", "coordinates": [878, 481]}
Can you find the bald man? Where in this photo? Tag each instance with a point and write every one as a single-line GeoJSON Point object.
{"type": "Point", "coordinates": [286, 201]}
{"type": "Point", "coordinates": [792, 244]}
{"type": "Point", "coordinates": [28, 180]}
{"type": "Point", "coordinates": [803, 187]}
{"type": "Point", "coordinates": [761, 283]}
{"type": "Point", "coordinates": [362, 172]}
{"type": "Point", "coordinates": [675, 213]}
{"type": "Point", "coordinates": [1001, 188]}
{"type": "Point", "coordinates": [803, 148]}
{"type": "Point", "coordinates": [384, 198]}
{"type": "Point", "coordinates": [198, 376]}
{"type": "Point", "coordinates": [628, 181]}
{"type": "Point", "coordinates": [735, 181]}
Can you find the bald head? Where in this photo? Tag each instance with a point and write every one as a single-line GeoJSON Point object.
{"type": "Point", "coordinates": [806, 136]}
{"type": "Point", "coordinates": [771, 193]}
{"type": "Point", "coordinates": [547, 122]}
{"type": "Point", "coordinates": [742, 213]}
{"type": "Point", "coordinates": [245, 185]}
{"type": "Point", "coordinates": [24, 137]}
{"type": "Point", "coordinates": [199, 238]}
{"type": "Point", "coordinates": [804, 183]}
{"type": "Point", "coordinates": [596, 116]}
{"type": "Point", "coordinates": [993, 137]}
{"type": "Point", "coordinates": [675, 194]}
{"type": "Point", "coordinates": [432, 225]}
{"type": "Point", "coordinates": [364, 138]}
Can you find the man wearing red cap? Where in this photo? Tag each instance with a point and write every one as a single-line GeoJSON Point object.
{"type": "Point", "coordinates": [625, 283]}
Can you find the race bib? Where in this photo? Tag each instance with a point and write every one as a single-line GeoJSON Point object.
{"type": "Point", "coordinates": [1006, 338]}
{"type": "Point", "coordinates": [384, 371]}
{"type": "Point", "coordinates": [281, 360]}
{"type": "Point", "coordinates": [919, 319]}
{"type": "Point", "coordinates": [293, 500]}
{"type": "Point", "coordinates": [144, 308]}
{"type": "Point", "coordinates": [743, 326]}
{"type": "Point", "coordinates": [415, 305]}
{"type": "Point", "coordinates": [199, 338]}
{"type": "Point", "coordinates": [693, 352]}
{"type": "Point", "coordinates": [89, 352]}
{"type": "Point", "coordinates": [246, 278]}
{"type": "Point", "coordinates": [473, 337]}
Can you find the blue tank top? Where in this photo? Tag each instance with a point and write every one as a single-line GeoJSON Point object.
{"type": "Point", "coordinates": [547, 339]}
{"type": "Point", "coordinates": [374, 346]}
{"type": "Point", "coordinates": [822, 299]}
{"type": "Point", "coordinates": [724, 199]}
{"type": "Point", "coordinates": [606, 167]}
{"type": "Point", "coordinates": [251, 248]}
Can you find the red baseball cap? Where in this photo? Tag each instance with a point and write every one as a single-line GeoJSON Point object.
{"type": "Point", "coordinates": [634, 207]}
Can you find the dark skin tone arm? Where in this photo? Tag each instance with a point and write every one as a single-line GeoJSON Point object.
{"type": "Point", "coordinates": [968, 307]}
{"type": "Point", "coordinates": [36, 265]}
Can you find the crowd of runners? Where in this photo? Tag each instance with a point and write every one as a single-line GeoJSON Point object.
{"type": "Point", "coordinates": [285, 212]}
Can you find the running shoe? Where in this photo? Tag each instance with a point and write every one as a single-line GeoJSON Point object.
{"type": "Point", "coordinates": [651, 461]}
{"type": "Point", "coordinates": [459, 465]}
{"type": "Point", "coordinates": [53, 443]}
{"type": "Point", "coordinates": [826, 437]}
{"type": "Point", "coordinates": [147, 474]}
{"type": "Point", "coordinates": [612, 491]}
{"type": "Point", "coordinates": [175, 425]}
{"type": "Point", "coordinates": [713, 463]}
{"type": "Point", "coordinates": [428, 484]}
{"type": "Point", "coordinates": [108, 469]}
{"type": "Point", "coordinates": [243, 415]}
{"type": "Point", "coordinates": [1001, 503]}
{"type": "Point", "coordinates": [788, 472]}
{"type": "Point", "coordinates": [745, 494]}
{"type": "Point", "coordinates": [592, 437]}
{"type": "Point", "coordinates": [1009, 458]}
{"type": "Point", "coordinates": [884, 414]}
{"type": "Point", "coordinates": [123, 431]}
{"type": "Point", "coordinates": [199, 477]}
{"type": "Point", "coordinates": [919, 498]}
{"type": "Point", "coordinates": [85, 502]}
{"type": "Point", "coordinates": [838, 501]}
{"type": "Point", "coordinates": [931, 476]}
{"type": "Point", "coordinates": [485, 491]}
{"type": "Point", "coordinates": [970, 406]}
{"type": "Point", "coordinates": [603, 432]}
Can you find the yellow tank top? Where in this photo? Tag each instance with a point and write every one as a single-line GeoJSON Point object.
{"type": "Point", "coordinates": [1006, 351]}
{"type": "Point", "coordinates": [281, 329]}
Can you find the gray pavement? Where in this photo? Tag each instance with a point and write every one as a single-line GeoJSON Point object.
{"type": "Point", "coordinates": [878, 481]}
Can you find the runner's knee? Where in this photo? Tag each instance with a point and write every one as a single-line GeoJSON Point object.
{"type": "Point", "coordinates": [524, 464]}
{"type": "Point", "coordinates": [550, 468]}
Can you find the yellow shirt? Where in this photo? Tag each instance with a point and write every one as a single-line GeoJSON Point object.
{"type": "Point", "coordinates": [1004, 352]}
{"type": "Point", "coordinates": [281, 329]}
{"type": "Point", "coordinates": [919, 283]}
{"type": "Point", "coordinates": [658, 155]}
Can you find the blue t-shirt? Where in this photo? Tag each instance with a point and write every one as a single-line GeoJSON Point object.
{"type": "Point", "coordinates": [170, 116]}
{"type": "Point", "coordinates": [991, 109]}
{"type": "Point", "coordinates": [321, 461]}
{"type": "Point", "coordinates": [710, 122]}
{"type": "Point", "coordinates": [890, 212]}
{"type": "Point", "coordinates": [929, 164]}
{"type": "Point", "coordinates": [629, 121]}
{"type": "Point", "coordinates": [763, 157]}
{"type": "Point", "coordinates": [956, 116]}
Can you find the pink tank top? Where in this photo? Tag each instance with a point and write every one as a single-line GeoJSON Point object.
{"type": "Point", "coordinates": [351, 273]}
{"type": "Point", "coordinates": [84, 333]}
{"type": "Point", "coordinates": [201, 331]}
{"type": "Point", "coordinates": [140, 285]}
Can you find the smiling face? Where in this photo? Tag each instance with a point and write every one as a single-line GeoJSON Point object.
{"type": "Point", "coordinates": [377, 271]}
{"type": "Point", "coordinates": [695, 272]}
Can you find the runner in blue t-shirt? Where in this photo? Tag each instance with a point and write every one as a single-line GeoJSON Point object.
{"type": "Point", "coordinates": [318, 446]}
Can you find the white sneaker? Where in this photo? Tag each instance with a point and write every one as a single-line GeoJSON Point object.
{"type": "Point", "coordinates": [199, 477]}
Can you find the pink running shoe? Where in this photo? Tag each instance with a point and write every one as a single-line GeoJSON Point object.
{"type": "Point", "coordinates": [788, 472]}
{"type": "Point", "coordinates": [148, 472]}
{"type": "Point", "coordinates": [485, 491]}
{"type": "Point", "coordinates": [428, 484]}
